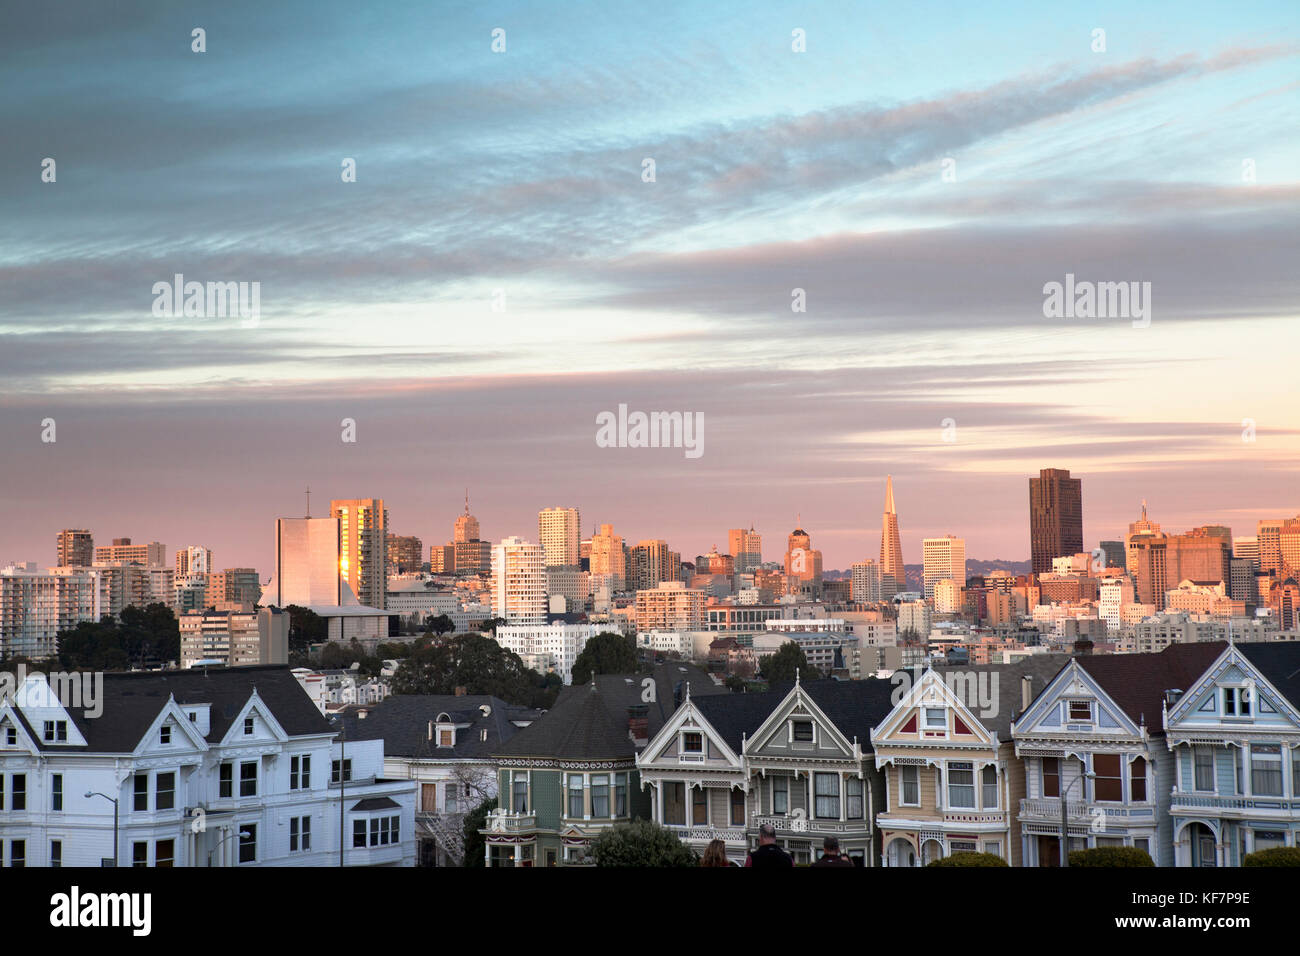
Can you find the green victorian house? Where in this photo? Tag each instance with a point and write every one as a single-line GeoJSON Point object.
{"type": "Point", "coordinates": [572, 773]}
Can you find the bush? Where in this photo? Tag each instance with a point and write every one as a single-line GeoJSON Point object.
{"type": "Point", "coordinates": [641, 843]}
{"type": "Point", "coordinates": [1111, 856]}
{"type": "Point", "coordinates": [1275, 856]}
{"type": "Point", "coordinates": [966, 858]}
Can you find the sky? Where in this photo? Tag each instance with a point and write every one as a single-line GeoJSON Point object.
{"type": "Point", "coordinates": [501, 271]}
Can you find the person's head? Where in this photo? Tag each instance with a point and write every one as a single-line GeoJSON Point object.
{"type": "Point", "coordinates": [766, 834]}
{"type": "Point", "coordinates": [831, 846]}
{"type": "Point", "coordinates": [715, 854]}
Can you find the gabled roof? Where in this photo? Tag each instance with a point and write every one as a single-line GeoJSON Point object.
{"type": "Point", "coordinates": [1039, 668]}
{"type": "Point", "coordinates": [132, 701]}
{"type": "Point", "coordinates": [402, 722]}
{"type": "Point", "coordinates": [1279, 664]}
{"type": "Point", "coordinates": [590, 721]}
{"type": "Point", "coordinates": [1137, 682]}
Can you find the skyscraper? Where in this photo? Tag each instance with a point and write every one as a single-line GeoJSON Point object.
{"type": "Point", "coordinates": [1137, 530]}
{"type": "Point", "coordinates": [1055, 517]}
{"type": "Point", "coordinates": [803, 565]}
{"type": "Point", "coordinates": [519, 582]}
{"type": "Point", "coordinates": [864, 584]}
{"type": "Point", "coordinates": [76, 548]}
{"type": "Point", "coordinates": [607, 559]}
{"type": "Point", "coordinates": [944, 560]}
{"type": "Point", "coordinates": [558, 531]}
{"type": "Point", "coordinates": [193, 560]}
{"type": "Point", "coordinates": [650, 563]}
{"type": "Point", "coordinates": [746, 547]}
{"type": "Point", "coordinates": [307, 565]}
{"type": "Point", "coordinates": [892, 577]}
{"type": "Point", "coordinates": [152, 555]}
{"type": "Point", "coordinates": [363, 547]}
{"type": "Point", "coordinates": [466, 526]}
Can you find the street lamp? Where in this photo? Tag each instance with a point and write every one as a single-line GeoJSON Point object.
{"type": "Point", "coordinates": [95, 793]}
{"type": "Point", "coordinates": [1065, 833]}
{"type": "Point", "coordinates": [220, 843]}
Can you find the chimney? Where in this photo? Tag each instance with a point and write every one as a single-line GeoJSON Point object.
{"type": "Point", "coordinates": [461, 691]}
{"type": "Point", "coordinates": [1172, 695]}
{"type": "Point", "coordinates": [638, 724]}
{"type": "Point", "coordinates": [1026, 692]}
{"type": "Point", "coordinates": [361, 714]}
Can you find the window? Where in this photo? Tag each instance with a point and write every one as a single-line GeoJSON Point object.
{"type": "Point", "coordinates": [910, 778]}
{"type": "Point", "coordinates": [675, 804]}
{"type": "Point", "coordinates": [576, 807]}
{"type": "Point", "coordinates": [1144, 845]}
{"type": "Point", "coordinates": [1051, 776]}
{"type": "Point", "coordinates": [1236, 702]}
{"type": "Point", "coordinates": [248, 843]}
{"type": "Point", "coordinates": [994, 847]}
{"type": "Point", "coordinates": [802, 730]}
{"type": "Point", "coordinates": [620, 795]}
{"type": "Point", "coordinates": [1295, 771]}
{"type": "Point", "coordinates": [692, 743]}
{"type": "Point", "coordinates": [961, 785]}
{"type": "Point", "coordinates": [18, 853]}
{"type": "Point", "coordinates": [1268, 839]}
{"type": "Point", "coordinates": [140, 854]}
{"type": "Point", "coordinates": [383, 830]}
{"type": "Point", "coordinates": [737, 807]}
{"type": "Point", "coordinates": [11, 736]}
{"type": "Point", "coordinates": [1080, 710]}
{"type": "Point", "coordinates": [989, 785]}
{"type": "Point", "coordinates": [699, 806]}
{"type": "Point", "coordinates": [1137, 788]}
{"type": "Point", "coordinates": [300, 772]}
{"type": "Point", "coordinates": [164, 853]}
{"type": "Point", "coordinates": [165, 734]}
{"type": "Point", "coordinates": [826, 790]}
{"type": "Point", "coordinates": [1203, 769]}
{"type": "Point", "coordinates": [165, 791]}
{"type": "Point", "coordinates": [248, 732]}
{"type": "Point", "coordinates": [520, 784]}
{"type": "Point", "coordinates": [141, 792]}
{"type": "Point", "coordinates": [194, 716]}
{"type": "Point", "coordinates": [963, 846]}
{"type": "Point", "coordinates": [248, 779]}
{"type": "Point", "coordinates": [56, 731]}
{"type": "Point", "coordinates": [1266, 770]}
{"type": "Point", "coordinates": [56, 853]}
{"type": "Point", "coordinates": [2, 797]}
{"type": "Point", "coordinates": [600, 796]}
{"type": "Point", "coordinates": [935, 718]}
{"type": "Point", "coordinates": [225, 783]}
{"type": "Point", "coordinates": [781, 795]}
{"type": "Point", "coordinates": [444, 738]}
{"type": "Point", "coordinates": [451, 796]}
{"type": "Point", "coordinates": [56, 792]}
{"type": "Point", "coordinates": [299, 834]}
{"type": "Point", "coordinates": [1108, 785]}
{"type": "Point", "coordinates": [358, 833]}
{"type": "Point", "coordinates": [853, 805]}
{"type": "Point", "coordinates": [347, 772]}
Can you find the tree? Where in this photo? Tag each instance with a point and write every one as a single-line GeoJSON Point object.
{"type": "Point", "coordinates": [476, 820]}
{"type": "Point", "coordinates": [606, 653]}
{"type": "Point", "coordinates": [477, 663]}
{"type": "Point", "coordinates": [137, 637]}
{"type": "Point", "coordinates": [440, 625]}
{"type": "Point", "coordinates": [491, 624]}
{"type": "Point", "coordinates": [306, 627]}
{"type": "Point", "coordinates": [735, 684]}
{"type": "Point", "coordinates": [783, 665]}
{"type": "Point", "coordinates": [641, 843]}
{"type": "Point", "coordinates": [1109, 856]}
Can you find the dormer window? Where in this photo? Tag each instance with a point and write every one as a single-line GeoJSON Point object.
{"type": "Point", "coordinates": [56, 731]}
{"type": "Point", "coordinates": [1237, 701]}
{"type": "Point", "coordinates": [11, 736]}
{"type": "Point", "coordinates": [934, 718]}
{"type": "Point", "coordinates": [1079, 710]}
{"type": "Point", "coordinates": [248, 726]}
{"type": "Point", "coordinates": [693, 743]}
{"type": "Point", "coordinates": [801, 731]}
{"type": "Point", "coordinates": [165, 734]}
{"type": "Point", "coordinates": [446, 737]}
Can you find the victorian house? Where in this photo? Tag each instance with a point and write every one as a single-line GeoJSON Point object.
{"type": "Point", "coordinates": [1234, 734]}
{"type": "Point", "coordinates": [1094, 739]}
{"type": "Point", "coordinates": [953, 780]}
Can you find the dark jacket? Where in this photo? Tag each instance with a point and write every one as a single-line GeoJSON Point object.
{"type": "Point", "coordinates": [770, 855]}
{"type": "Point", "coordinates": [837, 860]}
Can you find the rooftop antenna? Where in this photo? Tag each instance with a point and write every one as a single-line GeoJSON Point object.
{"type": "Point", "coordinates": [309, 501]}
{"type": "Point", "coordinates": [466, 501]}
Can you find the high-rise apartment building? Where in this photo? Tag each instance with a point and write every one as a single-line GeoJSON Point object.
{"type": "Point", "coordinates": [192, 561]}
{"type": "Point", "coordinates": [1288, 546]}
{"type": "Point", "coordinates": [1055, 517]}
{"type": "Point", "coordinates": [36, 605]}
{"type": "Point", "coordinates": [236, 586]}
{"type": "Point", "coordinates": [864, 583]}
{"type": "Point", "coordinates": [746, 547]}
{"type": "Point", "coordinates": [76, 548]}
{"type": "Point", "coordinates": [235, 638]}
{"type": "Point", "coordinates": [558, 531]}
{"type": "Point", "coordinates": [944, 560]}
{"type": "Point", "coordinates": [892, 576]}
{"type": "Point", "coordinates": [363, 547]}
{"type": "Point", "coordinates": [442, 558]}
{"type": "Point", "coordinates": [519, 582]}
{"type": "Point", "coordinates": [672, 606]}
{"type": "Point", "coordinates": [607, 558]}
{"type": "Point", "coordinates": [151, 555]}
{"type": "Point", "coordinates": [651, 562]}
{"type": "Point", "coordinates": [405, 554]}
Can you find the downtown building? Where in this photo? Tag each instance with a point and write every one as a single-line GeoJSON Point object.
{"type": "Point", "coordinates": [363, 547]}
{"type": "Point", "coordinates": [75, 548]}
{"type": "Point", "coordinates": [944, 560]}
{"type": "Point", "coordinates": [559, 533]}
{"type": "Point", "coordinates": [1055, 517]}
{"type": "Point", "coordinates": [746, 547]}
{"type": "Point", "coordinates": [234, 638]}
{"type": "Point", "coordinates": [519, 582]}
{"type": "Point", "coordinates": [35, 606]}
{"type": "Point", "coordinates": [893, 577]}
{"type": "Point", "coordinates": [153, 554]}
{"type": "Point", "coordinates": [547, 648]}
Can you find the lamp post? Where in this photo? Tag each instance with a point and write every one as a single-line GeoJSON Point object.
{"type": "Point", "coordinates": [220, 843]}
{"type": "Point", "coordinates": [1065, 832]}
{"type": "Point", "coordinates": [95, 793]}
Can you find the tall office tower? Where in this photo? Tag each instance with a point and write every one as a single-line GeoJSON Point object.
{"type": "Point", "coordinates": [1055, 517]}
{"type": "Point", "coordinates": [1247, 548]}
{"type": "Point", "coordinates": [1203, 555]}
{"type": "Point", "coordinates": [650, 563]}
{"type": "Point", "coordinates": [1149, 553]}
{"type": "Point", "coordinates": [803, 565]}
{"type": "Point", "coordinates": [363, 547]}
{"type": "Point", "coordinates": [152, 555]}
{"type": "Point", "coordinates": [442, 558]}
{"type": "Point", "coordinates": [1137, 530]}
{"type": "Point", "coordinates": [1242, 587]}
{"type": "Point", "coordinates": [746, 547]}
{"type": "Point", "coordinates": [234, 586]}
{"type": "Point", "coordinates": [308, 563]}
{"type": "Point", "coordinates": [1288, 546]}
{"type": "Point", "coordinates": [405, 554]}
{"type": "Point", "coordinates": [193, 560]}
{"type": "Point", "coordinates": [607, 557]}
{"type": "Point", "coordinates": [466, 526]}
{"type": "Point", "coordinates": [944, 560]}
{"type": "Point", "coordinates": [864, 583]}
{"type": "Point", "coordinates": [519, 582]}
{"type": "Point", "coordinates": [892, 577]}
{"type": "Point", "coordinates": [76, 548]}
{"type": "Point", "coordinates": [1268, 533]}
{"type": "Point", "coordinates": [558, 531]}
{"type": "Point", "coordinates": [1113, 553]}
